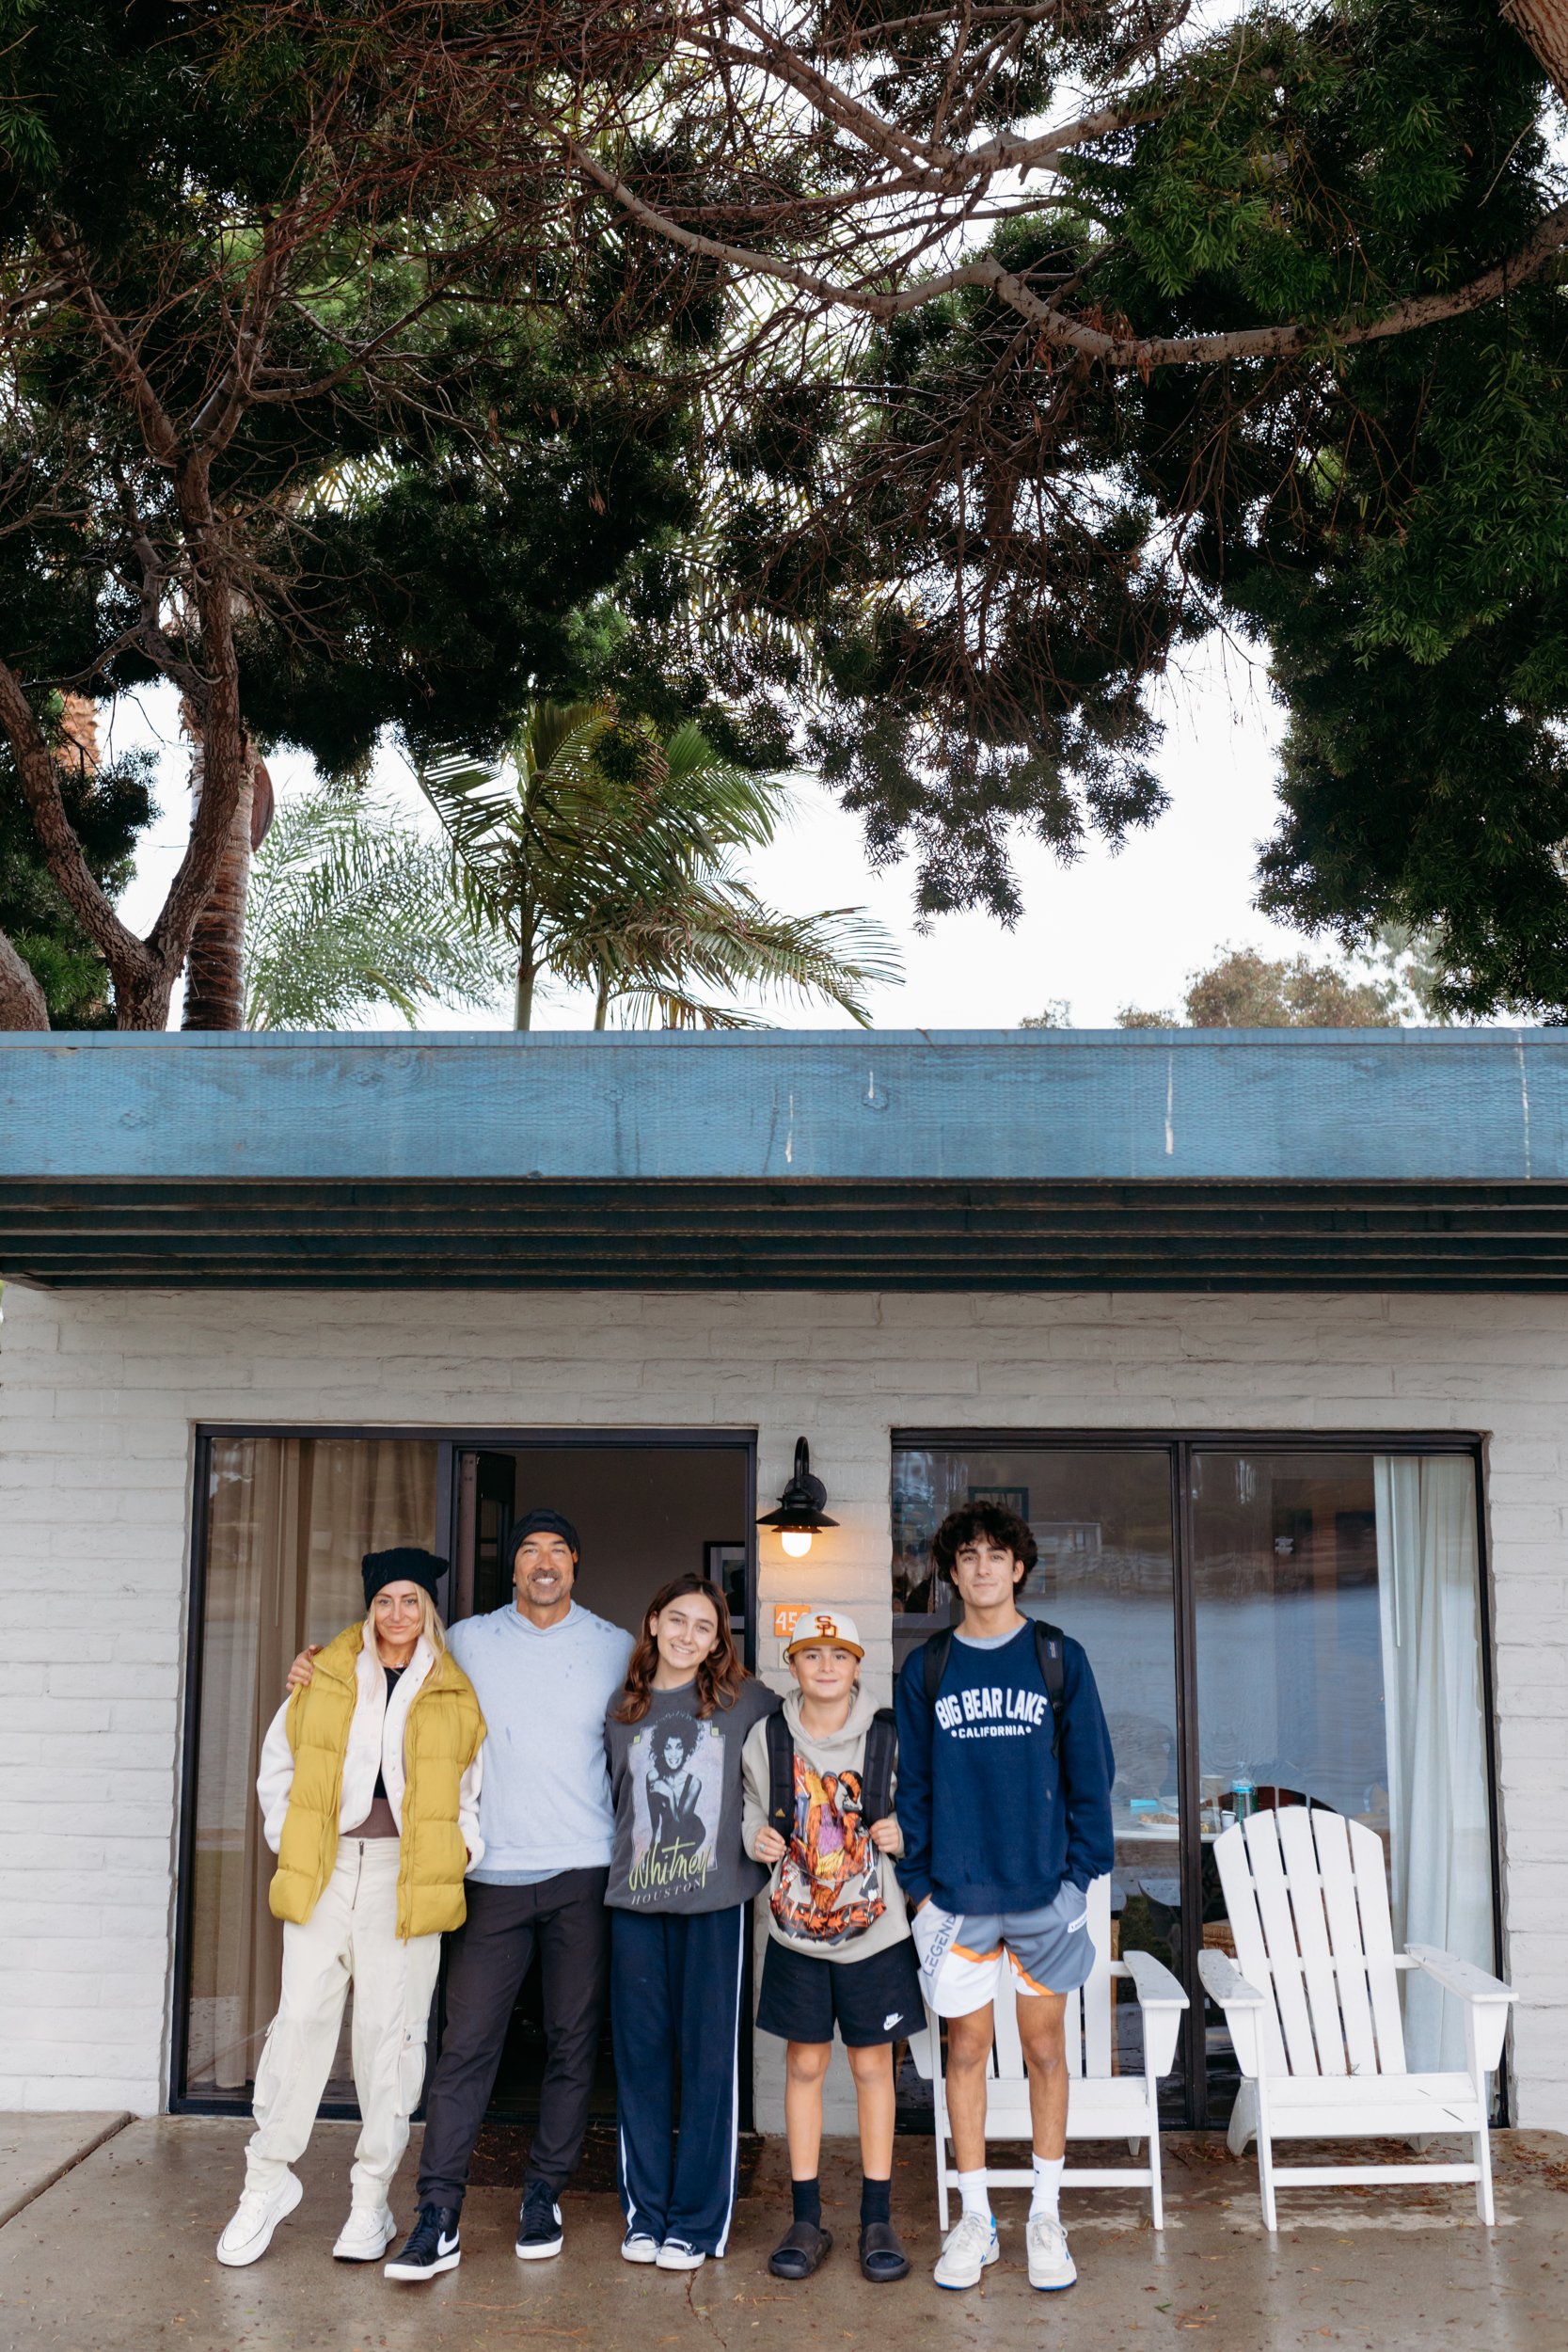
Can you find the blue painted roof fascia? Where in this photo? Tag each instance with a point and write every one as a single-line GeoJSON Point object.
{"type": "Point", "coordinates": [910, 1105]}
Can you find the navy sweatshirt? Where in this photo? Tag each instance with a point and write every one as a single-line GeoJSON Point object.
{"type": "Point", "coordinates": [988, 1822]}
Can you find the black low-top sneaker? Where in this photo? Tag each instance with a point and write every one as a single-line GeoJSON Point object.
{"type": "Point", "coordinates": [539, 2231]}
{"type": "Point", "coordinates": [433, 2246]}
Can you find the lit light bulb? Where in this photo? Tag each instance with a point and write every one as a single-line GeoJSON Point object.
{"type": "Point", "coordinates": [795, 1541]}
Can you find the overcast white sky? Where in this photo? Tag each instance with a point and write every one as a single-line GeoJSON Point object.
{"type": "Point", "coordinates": [1103, 933]}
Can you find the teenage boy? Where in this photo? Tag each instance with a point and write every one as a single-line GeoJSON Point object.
{"type": "Point", "coordinates": [1005, 1800]}
{"type": "Point", "coordinates": [544, 1669]}
{"type": "Point", "coordinates": [818, 1785]}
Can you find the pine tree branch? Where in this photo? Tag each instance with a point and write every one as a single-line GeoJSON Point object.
{"type": "Point", "coordinates": [39, 777]}
{"type": "Point", "coordinates": [1542, 25]}
{"type": "Point", "coordinates": [1062, 330]}
{"type": "Point", "coordinates": [21, 1000]}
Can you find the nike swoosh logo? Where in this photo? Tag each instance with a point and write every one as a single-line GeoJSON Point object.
{"type": "Point", "coordinates": [446, 2246]}
{"type": "Point", "coordinates": [896, 2018]}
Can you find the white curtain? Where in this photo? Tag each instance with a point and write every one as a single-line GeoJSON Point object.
{"type": "Point", "coordinates": [1440, 1861]}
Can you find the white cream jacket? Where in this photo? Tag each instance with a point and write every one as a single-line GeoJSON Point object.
{"type": "Point", "coordinates": [374, 1745]}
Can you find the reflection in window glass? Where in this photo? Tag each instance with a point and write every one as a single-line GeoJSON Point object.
{"type": "Point", "coordinates": [1102, 1520]}
{"type": "Point", "coordinates": [288, 1520]}
{"type": "Point", "coordinates": [1338, 1664]}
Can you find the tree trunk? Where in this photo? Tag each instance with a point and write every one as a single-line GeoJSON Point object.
{"type": "Point", "coordinates": [528, 970]}
{"type": "Point", "coordinates": [1542, 24]}
{"type": "Point", "coordinates": [601, 1002]}
{"type": "Point", "coordinates": [215, 963]}
{"type": "Point", "coordinates": [522, 1008]}
{"type": "Point", "coordinates": [21, 1004]}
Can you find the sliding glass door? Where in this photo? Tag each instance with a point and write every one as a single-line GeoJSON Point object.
{"type": "Point", "coordinates": [1104, 1520]}
{"type": "Point", "coordinates": [1274, 1621]}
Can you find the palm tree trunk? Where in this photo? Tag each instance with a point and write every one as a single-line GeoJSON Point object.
{"type": "Point", "coordinates": [214, 983]}
{"type": "Point", "coordinates": [528, 969]}
{"type": "Point", "coordinates": [601, 1002]}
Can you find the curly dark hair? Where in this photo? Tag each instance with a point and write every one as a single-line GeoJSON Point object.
{"type": "Point", "coordinates": [1003, 1526]}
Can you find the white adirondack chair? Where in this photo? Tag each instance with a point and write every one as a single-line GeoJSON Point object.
{"type": "Point", "coordinates": [1312, 2000]}
{"type": "Point", "coordinates": [1100, 2106]}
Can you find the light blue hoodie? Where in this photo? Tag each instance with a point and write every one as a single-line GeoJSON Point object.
{"type": "Point", "coordinates": [543, 1803]}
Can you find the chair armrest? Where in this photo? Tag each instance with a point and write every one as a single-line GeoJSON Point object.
{"type": "Point", "coordinates": [1461, 1977]}
{"type": "Point", "coordinates": [1224, 1982]}
{"type": "Point", "coordinates": [1152, 1981]}
{"type": "Point", "coordinates": [1161, 2000]}
{"type": "Point", "coordinates": [1242, 2004]}
{"type": "Point", "coordinates": [922, 2051]}
{"type": "Point", "coordinates": [1486, 2001]}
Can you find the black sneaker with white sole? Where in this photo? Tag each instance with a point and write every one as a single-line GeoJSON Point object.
{"type": "Point", "coordinates": [433, 2246]}
{"type": "Point", "coordinates": [539, 2231]}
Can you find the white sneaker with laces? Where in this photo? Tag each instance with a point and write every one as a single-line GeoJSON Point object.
{"type": "Point", "coordinates": [254, 2219]}
{"type": "Point", "coordinates": [969, 2247]}
{"type": "Point", "coordinates": [637, 2247]}
{"type": "Point", "coordinates": [1050, 2267]}
{"type": "Point", "coordinates": [675, 2254]}
{"type": "Point", "coordinates": [365, 2236]}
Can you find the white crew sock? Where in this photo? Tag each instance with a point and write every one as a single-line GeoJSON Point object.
{"type": "Point", "coordinates": [971, 2188]}
{"type": "Point", "coordinates": [1047, 2198]}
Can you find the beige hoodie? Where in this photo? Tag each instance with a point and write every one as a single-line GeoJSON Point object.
{"type": "Point", "coordinates": [833, 1896]}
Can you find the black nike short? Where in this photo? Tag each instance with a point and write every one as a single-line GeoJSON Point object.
{"type": "Point", "coordinates": [870, 2000]}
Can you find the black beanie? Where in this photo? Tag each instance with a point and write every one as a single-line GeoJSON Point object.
{"type": "Point", "coordinates": [542, 1523]}
{"type": "Point", "coordinates": [404, 1564]}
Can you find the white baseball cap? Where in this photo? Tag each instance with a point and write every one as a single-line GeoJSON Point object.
{"type": "Point", "coordinates": [825, 1629]}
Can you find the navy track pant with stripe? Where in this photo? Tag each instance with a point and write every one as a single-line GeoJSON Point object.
{"type": "Point", "coordinates": [674, 1995]}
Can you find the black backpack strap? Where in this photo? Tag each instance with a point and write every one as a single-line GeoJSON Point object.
{"type": "Point", "coordinates": [935, 1654]}
{"type": "Point", "coordinates": [781, 1775]}
{"type": "Point", "coordinates": [882, 1747]}
{"type": "Point", "coordinates": [1047, 1651]}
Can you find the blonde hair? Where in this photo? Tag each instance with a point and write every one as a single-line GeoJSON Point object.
{"type": "Point", "coordinates": [434, 1631]}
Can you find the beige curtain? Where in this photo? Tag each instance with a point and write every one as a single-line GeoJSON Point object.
{"type": "Point", "coordinates": [287, 1519]}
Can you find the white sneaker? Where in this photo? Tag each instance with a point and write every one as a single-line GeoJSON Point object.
{"type": "Point", "coordinates": [255, 2217]}
{"type": "Point", "coordinates": [1050, 2267]}
{"type": "Point", "coordinates": [637, 2247]}
{"type": "Point", "coordinates": [969, 2247]}
{"type": "Point", "coordinates": [675, 2254]}
{"type": "Point", "coordinates": [365, 2236]}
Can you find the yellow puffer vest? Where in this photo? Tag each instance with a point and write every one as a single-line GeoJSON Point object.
{"type": "Point", "coordinates": [442, 1737]}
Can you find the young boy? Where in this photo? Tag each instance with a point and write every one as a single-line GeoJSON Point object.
{"type": "Point", "coordinates": [838, 1949]}
{"type": "Point", "coordinates": [1007, 1803]}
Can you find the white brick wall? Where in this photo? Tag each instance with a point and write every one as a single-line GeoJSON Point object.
{"type": "Point", "coordinates": [99, 1393]}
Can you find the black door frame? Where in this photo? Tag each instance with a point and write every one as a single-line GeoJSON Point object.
{"type": "Point", "coordinates": [450, 1444]}
{"type": "Point", "coordinates": [1180, 1446]}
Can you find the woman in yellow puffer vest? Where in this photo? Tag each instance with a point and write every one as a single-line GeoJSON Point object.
{"type": "Point", "coordinates": [370, 1799]}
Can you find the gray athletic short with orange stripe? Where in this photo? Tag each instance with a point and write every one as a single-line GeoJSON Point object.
{"type": "Point", "coordinates": [963, 1954]}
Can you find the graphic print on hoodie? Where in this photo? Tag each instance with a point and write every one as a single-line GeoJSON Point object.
{"type": "Point", "coordinates": [829, 1885]}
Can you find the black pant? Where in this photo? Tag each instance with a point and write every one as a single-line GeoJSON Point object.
{"type": "Point", "coordinates": [486, 1961]}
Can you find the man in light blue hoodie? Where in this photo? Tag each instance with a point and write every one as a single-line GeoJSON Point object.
{"type": "Point", "coordinates": [545, 1671]}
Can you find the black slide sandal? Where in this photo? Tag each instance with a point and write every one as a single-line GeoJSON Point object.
{"type": "Point", "coordinates": [882, 2256]}
{"type": "Point", "coordinates": [802, 2249]}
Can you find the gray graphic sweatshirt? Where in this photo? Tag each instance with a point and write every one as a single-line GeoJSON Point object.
{"type": "Point", "coordinates": [674, 1782]}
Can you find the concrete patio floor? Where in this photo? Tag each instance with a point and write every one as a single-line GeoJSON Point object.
{"type": "Point", "coordinates": [115, 2254]}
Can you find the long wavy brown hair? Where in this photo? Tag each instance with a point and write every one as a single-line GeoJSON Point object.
{"type": "Point", "coordinates": [720, 1673]}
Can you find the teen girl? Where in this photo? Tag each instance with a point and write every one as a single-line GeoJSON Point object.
{"type": "Point", "coordinates": [680, 1891]}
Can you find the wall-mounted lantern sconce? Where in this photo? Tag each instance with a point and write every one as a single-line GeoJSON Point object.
{"type": "Point", "coordinates": [800, 1513]}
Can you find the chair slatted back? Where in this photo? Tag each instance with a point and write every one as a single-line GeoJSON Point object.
{"type": "Point", "coordinates": [1088, 2020]}
{"type": "Point", "coordinates": [1308, 1898]}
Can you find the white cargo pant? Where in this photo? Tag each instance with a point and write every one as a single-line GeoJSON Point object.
{"type": "Point", "coordinates": [352, 1935]}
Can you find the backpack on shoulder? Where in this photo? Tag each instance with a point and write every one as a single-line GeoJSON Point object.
{"type": "Point", "coordinates": [1047, 1651]}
